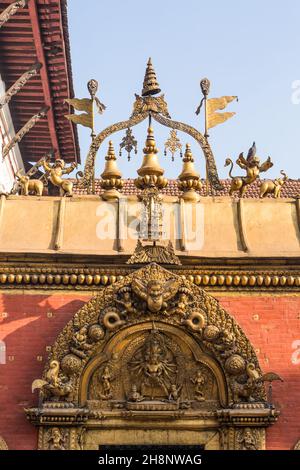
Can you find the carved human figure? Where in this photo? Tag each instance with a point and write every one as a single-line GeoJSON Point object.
{"type": "Point", "coordinates": [55, 173]}
{"type": "Point", "coordinates": [181, 306]}
{"type": "Point", "coordinates": [247, 440]}
{"type": "Point", "coordinates": [80, 339]}
{"type": "Point", "coordinates": [199, 382]}
{"type": "Point", "coordinates": [56, 440]}
{"type": "Point", "coordinates": [105, 378]}
{"type": "Point", "coordinates": [174, 394]}
{"type": "Point", "coordinates": [127, 303]}
{"type": "Point", "coordinates": [135, 395]}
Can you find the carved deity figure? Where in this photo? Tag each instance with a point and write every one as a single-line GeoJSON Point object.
{"type": "Point", "coordinates": [55, 173]}
{"type": "Point", "coordinates": [199, 382]}
{"type": "Point", "coordinates": [56, 440]}
{"type": "Point", "coordinates": [247, 440]}
{"type": "Point", "coordinates": [135, 395]}
{"type": "Point", "coordinates": [253, 168]}
{"type": "Point", "coordinates": [226, 343]}
{"type": "Point", "coordinates": [184, 301]}
{"type": "Point", "coordinates": [80, 339]}
{"type": "Point", "coordinates": [155, 292]}
{"type": "Point", "coordinates": [174, 394]}
{"type": "Point", "coordinates": [105, 379]}
{"type": "Point", "coordinates": [127, 303]}
{"type": "Point", "coordinates": [153, 368]}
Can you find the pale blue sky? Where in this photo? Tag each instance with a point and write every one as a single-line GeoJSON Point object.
{"type": "Point", "coordinates": [250, 49]}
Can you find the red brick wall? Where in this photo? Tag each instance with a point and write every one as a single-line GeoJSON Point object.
{"type": "Point", "coordinates": [27, 331]}
{"type": "Point", "coordinates": [272, 324]}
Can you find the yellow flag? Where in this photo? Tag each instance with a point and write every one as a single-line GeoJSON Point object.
{"type": "Point", "coordinates": [213, 104]}
{"type": "Point", "coordinates": [83, 119]}
{"type": "Point", "coordinates": [81, 105]}
{"type": "Point", "coordinates": [86, 105]}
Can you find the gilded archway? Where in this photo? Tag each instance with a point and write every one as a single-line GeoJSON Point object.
{"type": "Point", "coordinates": [152, 357]}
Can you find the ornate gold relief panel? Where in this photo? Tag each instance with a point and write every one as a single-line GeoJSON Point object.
{"type": "Point", "coordinates": [153, 366]}
{"type": "Point", "coordinates": [152, 351]}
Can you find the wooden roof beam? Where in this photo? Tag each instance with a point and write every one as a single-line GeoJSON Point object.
{"type": "Point", "coordinates": [11, 10]}
{"type": "Point", "coordinates": [32, 7]}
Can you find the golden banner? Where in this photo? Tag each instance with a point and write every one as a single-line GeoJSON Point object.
{"type": "Point", "coordinates": [83, 119]}
{"type": "Point", "coordinates": [218, 118]}
{"type": "Point", "coordinates": [81, 105]}
{"type": "Point", "coordinates": [214, 104]}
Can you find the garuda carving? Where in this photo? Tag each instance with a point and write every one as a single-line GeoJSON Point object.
{"type": "Point", "coordinates": [253, 168]}
{"type": "Point", "coordinates": [155, 293]}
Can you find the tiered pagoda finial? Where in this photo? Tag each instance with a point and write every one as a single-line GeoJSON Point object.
{"type": "Point", "coordinates": [150, 86]}
{"type": "Point", "coordinates": [111, 177]}
{"type": "Point", "coordinates": [189, 180]}
{"type": "Point", "coordinates": [150, 173]}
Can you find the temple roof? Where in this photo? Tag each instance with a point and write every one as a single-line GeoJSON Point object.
{"type": "Point", "coordinates": [39, 32]}
{"type": "Point", "coordinates": [290, 189]}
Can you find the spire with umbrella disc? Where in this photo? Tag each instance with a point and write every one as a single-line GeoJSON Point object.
{"type": "Point", "coordinates": [150, 86]}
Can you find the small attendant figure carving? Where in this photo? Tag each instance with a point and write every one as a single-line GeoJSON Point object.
{"type": "Point", "coordinates": [126, 302]}
{"type": "Point", "coordinates": [56, 440]}
{"type": "Point", "coordinates": [174, 394]}
{"type": "Point", "coordinates": [105, 378]}
{"type": "Point", "coordinates": [55, 173]}
{"type": "Point", "coordinates": [199, 382]}
{"type": "Point", "coordinates": [253, 168]}
{"type": "Point", "coordinates": [80, 339]}
{"type": "Point", "coordinates": [247, 440]}
{"type": "Point", "coordinates": [135, 395]}
{"type": "Point", "coordinates": [226, 344]}
{"type": "Point", "coordinates": [184, 301]}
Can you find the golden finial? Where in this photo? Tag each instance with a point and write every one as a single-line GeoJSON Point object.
{"type": "Point", "coordinates": [111, 177]}
{"type": "Point", "coordinates": [150, 173]}
{"type": "Point", "coordinates": [189, 180]}
{"type": "Point", "coordinates": [150, 86]}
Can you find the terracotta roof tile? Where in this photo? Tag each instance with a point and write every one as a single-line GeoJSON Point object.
{"type": "Point", "coordinates": [290, 189]}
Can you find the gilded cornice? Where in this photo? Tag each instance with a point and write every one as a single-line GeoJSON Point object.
{"type": "Point", "coordinates": [92, 277]}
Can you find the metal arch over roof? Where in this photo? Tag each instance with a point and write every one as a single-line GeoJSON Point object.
{"type": "Point", "coordinates": [39, 32]}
